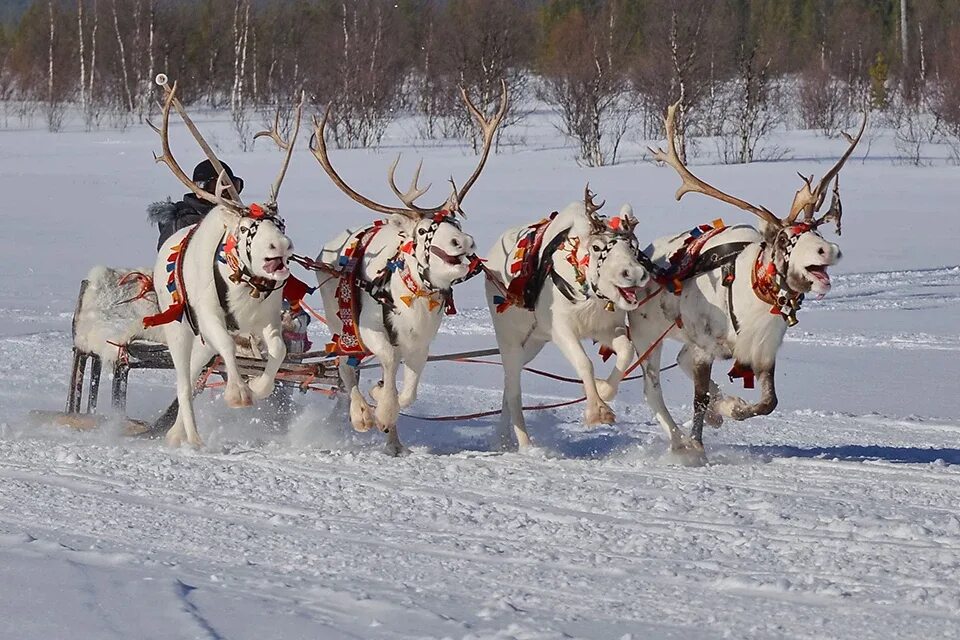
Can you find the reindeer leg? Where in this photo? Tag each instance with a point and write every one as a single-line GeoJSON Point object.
{"type": "Point", "coordinates": [514, 357]}
{"type": "Point", "coordinates": [413, 366]}
{"type": "Point", "coordinates": [597, 410]}
{"type": "Point", "coordinates": [623, 347]}
{"type": "Point", "coordinates": [388, 403]}
{"type": "Point", "coordinates": [713, 416]}
{"type": "Point", "coordinates": [653, 393]}
{"type": "Point", "coordinates": [385, 393]}
{"type": "Point", "coordinates": [237, 393]}
{"type": "Point", "coordinates": [701, 399]}
{"type": "Point", "coordinates": [262, 386]}
{"type": "Point", "coordinates": [738, 409]}
{"type": "Point", "coordinates": [361, 414]}
{"type": "Point", "coordinates": [189, 356]}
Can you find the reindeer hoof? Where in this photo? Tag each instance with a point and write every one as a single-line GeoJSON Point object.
{"type": "Point", "coordinates": [360, 416]}
{"type": "Point", "coordinates": [261, 387]}
{"type": "Point", "coordinates": [713, 418]}
{"type": "Point", "coordinates": [175, 436]}
{"type": "Point", "coordinates": [395, 450]}
{"type": "Point", "coordinates": [238, 395]}
{"type": "Point", "coordinates": [730, 407]}
{"type": "Point", "coordinates": [689, 452]}
{"type": "Point", "coordinates": [602, 414]}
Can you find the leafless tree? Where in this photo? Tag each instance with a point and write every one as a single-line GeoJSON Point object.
{"type": "Point", "coordinates": [754, 108]}
{"type": "Point", "coordinates": [684, 58]}
{"type": "Point", "coordinates": [371, 69]}
{"type": "Point", "coordinates": [585, 83]}
{"type": "Point", "coordinates": [496, 46]}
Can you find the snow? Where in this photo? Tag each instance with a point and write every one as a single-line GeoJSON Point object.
{"type": "Point", "coordinates": [835, 517]}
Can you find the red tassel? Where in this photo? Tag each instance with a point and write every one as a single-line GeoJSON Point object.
{"type": "Point", "coordinates": [173, 312]}
{"type": "Point", "coordinates": [740, 371]}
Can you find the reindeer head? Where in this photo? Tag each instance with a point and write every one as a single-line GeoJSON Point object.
{"type": "Point", "coordinates": [432, 236]}
{"type": "Point", "coordinates": [614, 270]}
{"type": "Point", "coordinates": [258, 235]}
{"type": "Point", "coordinates": [262, 245]}
{"type": "Point", "coordinates": [801, 255]}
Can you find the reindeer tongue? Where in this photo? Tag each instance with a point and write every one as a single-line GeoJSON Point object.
{"type": "Point", "coordinates": [820, 273]}
{"type": "Point", "coordinates": [273, 265]}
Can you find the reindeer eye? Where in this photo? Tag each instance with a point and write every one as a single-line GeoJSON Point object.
{"type": "Point", "coordinates": [421, 231]}
{"type": "Point", "coordinates": [596, 247]}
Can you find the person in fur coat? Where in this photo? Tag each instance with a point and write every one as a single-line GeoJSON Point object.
{"type": "Point", "coordinates": [171, 216]}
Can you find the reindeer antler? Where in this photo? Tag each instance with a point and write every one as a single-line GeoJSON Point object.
{"type": "Point", "coordinates": [285, 145]}
{"type": "Point", "coordinates": [318, 147]}
{"type": "Point", "coordinates": [691, 183]}
{"type": "Point", "coordinates": [488, 127]}
{"type": "Point", "coordinates": [597, 224]}
{"type": "Point", "coordinates": [223, 182]}
{"type": "Point", "coordinates": [809, 200]}
{"type": "Point", "coordinates": [167, 157]}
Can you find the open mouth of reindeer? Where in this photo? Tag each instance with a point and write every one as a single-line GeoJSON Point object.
{"type": "Point", "coordinates": [818, 273]}
{"type": "Point", "coordinates": [630, 294]}
{"type": "Point", "coordinates": [276, 266]}
{"type": "Point", "coordinates": [453, 261]}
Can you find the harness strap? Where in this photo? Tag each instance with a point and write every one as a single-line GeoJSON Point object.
{"type": "Point", "coordinates": [729, 275]}
{"type": "Point", "coordinates": [546, 268]}
{"type": "Point", "coordinates": [179, 307]}
{"type": "Point", "coordinates": [348, 341]}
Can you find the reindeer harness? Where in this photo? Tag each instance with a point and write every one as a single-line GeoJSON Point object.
{"type": "Point", "coordinates": [179, 306]}
{"type": "Point", "coordinates": [531, 266]}
{"type": "Point", "coordinates": [349, 266]}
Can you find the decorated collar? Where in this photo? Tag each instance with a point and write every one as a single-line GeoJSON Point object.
{"type": "Point", "coordinates": [581, 266]}
{"type": "Point", "coordinates": [769, 279]}
{"type": "Point", "coordinates": [227, 253]}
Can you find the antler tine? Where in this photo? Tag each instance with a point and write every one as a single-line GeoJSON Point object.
{"type": "Point", "coordinates": [488, 127]}
{"type": "Point", "coordinates": [318, 147]}
{"type": "Point", "coordinates": [589, 204]}
{"type": "Point", "coordinates": [835, 213]}
{"type": "Point", "coordinates": [161, 80]}
{"type": "Point", "coordinates": [810, 200]}
{"type": "Point", "coordinates": [285, 145]}
{"type": "Point", "coordinates": [596, 222]}
{"type": "Point", "coordinates": [413, 192]}
{"type": "Point", "coordinates": [692, 183]}
{"type": "Point", "coordinates": [274, 133]}
{"type": "Point", "coordinates": [167, 156]}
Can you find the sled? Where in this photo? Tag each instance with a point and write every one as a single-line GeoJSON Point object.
{"type": "Point", "coordinates": [107, 332]}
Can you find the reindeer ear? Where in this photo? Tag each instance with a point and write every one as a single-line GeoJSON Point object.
{"type": "Point", "coordinates": [403, 225]}
{"type": "Point", "coordinates": [769, 231]}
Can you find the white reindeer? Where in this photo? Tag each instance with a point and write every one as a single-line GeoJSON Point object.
{"type": "Point", "coordinates": [742, 289]}
{"type": "Point", "coordinates": [222, 275]}
{"type": "Point", "coordinates": [392, 283]}
{"type": "Point", "coordinates": [571, 277]}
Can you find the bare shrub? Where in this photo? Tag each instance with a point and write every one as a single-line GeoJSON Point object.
{"type": "Point", "coordinates": [497, 45]}
{"type": "Point", "coordinates": [823, 101]}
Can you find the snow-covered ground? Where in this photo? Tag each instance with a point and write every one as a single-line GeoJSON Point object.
{"type": "Point", "coordinates": [834, 518]}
